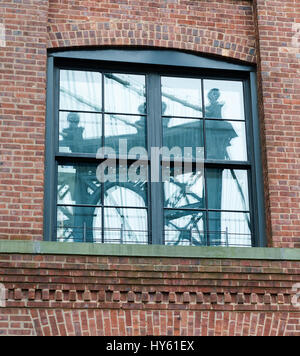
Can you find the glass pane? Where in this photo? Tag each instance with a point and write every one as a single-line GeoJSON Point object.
{"type": "Point", "coordinates": [224, 99]}
{"type": "Point", "coordinates": [185, 190]}
{"type": "Point", "coordinates": [129, 128]}
{"type": "Point", "coordinates": [229, 229]}
{"type": "Point", "coordinates": [80, 91]}
{"type": "Point", "coordinates": [78, 184]}
{"type": "Point", "coordinates": [184, 227]}
{"type": "Point", "coordinates": [125, 93]}
{"type": "Point", "coordinates": [226, 140]}
{"type": "Point", "coordinates": [125, 226]}
{"type": "Point", "coordinates": [129, 194]}
{"type": "Point", "coordinates": [80, 132]}
{"type": "Point", "coordinates": [183, 133]}
{"type": "Point", "coordinates": [79, 224]}
{"type": "Point", "coordinates": [181, 97]}
{"type": "Point", "coordinates": [227, 189]}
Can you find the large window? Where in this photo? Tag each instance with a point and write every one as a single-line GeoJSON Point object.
{"type": "Point", "coordinates": [115, 130]}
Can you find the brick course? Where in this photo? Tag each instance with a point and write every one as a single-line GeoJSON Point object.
{"type": "Point", "coordinates": [217, 27]}
{"type": "Point", "coordinates": [82, 295]}
{"type": "Point", "coordinates": [142, 323]}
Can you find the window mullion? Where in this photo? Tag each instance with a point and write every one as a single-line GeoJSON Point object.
{"type": "Point", "coordinates": [154, 134]}
{"type": "Point", "coordinates": [257, 191]}
{"type": "Point", "coordinates": [50, 220]}
{"type": "Point", "coordinates": [103, 144]}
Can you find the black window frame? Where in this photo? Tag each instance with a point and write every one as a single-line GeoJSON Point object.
{"type": "Point", "coordinates": [155, 63]}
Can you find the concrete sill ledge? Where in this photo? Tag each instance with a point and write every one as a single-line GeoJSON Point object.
{"type": "Point", "coordinates": [88, 249]}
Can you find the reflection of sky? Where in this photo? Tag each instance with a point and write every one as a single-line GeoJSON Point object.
{"type": "Point", "coordinates": [120, 196]}
{"type": "Point", "coordinates": [231, 95]}
{"type": "Point", "coordinates": [121, 99]}
{"type": "Point", "coordinates": [129, 225]}
{"type": "Point", "coordinates": [232, 199]}
{"type": "Point", "coordinates": [235, 226]}
{"type": "Point", "coordinates": [179, 122]}
{"type": "Point", "coordinates": [186, 89]}
{"type": "Point", "coordinates": [120, 125]}
{"type": "Point", "coordinates": [237, 151]}
{"type": "Point", "coordinates": [83, 85]}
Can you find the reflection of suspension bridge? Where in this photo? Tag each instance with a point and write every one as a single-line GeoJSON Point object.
{"type": "Point", "coordinates": [79, 224]}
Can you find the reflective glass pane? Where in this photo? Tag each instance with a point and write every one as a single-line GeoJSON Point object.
{"type": "Point", "coordinates": [227, 189]}
{"type": "Point", "coordinates": [129, 128]}
{"type": "Point", "coordinates": [125, 226]}
{"type": "Point", "coordinates": [224, 99]}
{"type": "Point", "coordinates": [229, 229]}
{"type": "Point", "coordinates": [80, 91]}
{"type": "Point", "coordinates": [183, 133]}
{"type": "Point", "coordinates": [226, 140]}
{"type": "Point", "coordinates": [125, 93]}
{"type": "Point", "coordinates": [80, 132]}
{"type": "Point", "coordinates": [183, 227]}
{"type": "Point", "coordinates": [184, 190]}
{"type": "Point", "coordinates": [131, 194]}
{"type": "Point", "coordinates": [181, 97]}
{"type": "Point", "coordinates": [79, 224]}
{"type": "Point", "coordinates": [78, 184]}
{"type": "Point", "coordinates": [126, 184]}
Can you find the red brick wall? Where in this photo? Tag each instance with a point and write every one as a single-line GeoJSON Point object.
{"type": "Point", "coordinates": [22, 118]}
{"type": "Point", "coordinates": [222, 27]}
{"type": "Point", "coordinates": [81, 295]}
{"type": "Point", "coordinates": [45, 322]}
{"type": "Point", "coordinates": [278, 29]}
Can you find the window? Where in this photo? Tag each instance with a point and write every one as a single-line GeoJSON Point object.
{"type": "Point", "coordinates": [99, 107]}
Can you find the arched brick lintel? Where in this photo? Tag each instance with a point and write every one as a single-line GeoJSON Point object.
{"type": "Point", "coordinates": [151, 35]}
{"type": "Point", "coordinates": [57, 322]}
